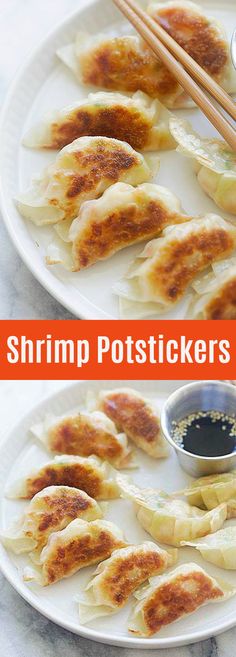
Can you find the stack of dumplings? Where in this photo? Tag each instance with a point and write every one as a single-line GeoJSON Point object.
{"type": "Point", "coordinates": [98, 193]}
{"type": "Point", "coordinates": [63, 528]}
{"type": "Point", "coordinates": [79, 545]}
{"type": "Point", "coordinates": [50, 510]}
{"type": "Point", "coordinates": [82, 171]}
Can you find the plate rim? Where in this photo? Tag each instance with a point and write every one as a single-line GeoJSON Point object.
{"type": "Point", "coordinates": [27, 594]}
{"type": "Point", "coordinates": [41, 276]}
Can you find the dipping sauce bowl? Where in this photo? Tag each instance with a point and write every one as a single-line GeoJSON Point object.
{"type": "Point", "coordinates": [194, 398]}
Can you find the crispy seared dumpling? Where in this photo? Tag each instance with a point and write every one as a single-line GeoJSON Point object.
{"type": "Point", "coordinates": [84, 434]}
{"type": "Point", "coordinates": [209, 491]}
{"type": "Point", "coordinates": [97, 478]}
{"type": "Point", "coordinates": [122, 63]}
{"type": "Point", "coordinates": [137, 417]}
{"type": "Point", "coordinates": [119, 576]}
{"type": "Point", "coordinates": [218, 548]}
{"type": "Point", "coordinates": [161, 275]}
{"type": "Point", "coordinates": [215, 296]}
{"type": "Point", "coordinates": [170, 597]}
{"type": "Point", "coordinates": [50, 510]}
{"type": "Point", "coordinates": [203, 38]}
{"type": "Point", "coordinates": [139, 120]}
{"type": "Point", "coordinates": [170, 520]}
{"type": "Point", "coordinates": [79, 545]}
{"type": "Point", "coordinates": [124, 215]}
{"type": "Point", "coordinates": [82, 171]}
{"type": "Point", "coordinates": [215, 163]}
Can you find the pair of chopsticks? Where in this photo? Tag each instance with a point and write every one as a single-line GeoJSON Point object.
{"type": "Point", "coordinates": [184, 68]}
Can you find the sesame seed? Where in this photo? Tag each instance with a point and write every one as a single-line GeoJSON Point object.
{"type": "Point", "coordinates": [180, 428]}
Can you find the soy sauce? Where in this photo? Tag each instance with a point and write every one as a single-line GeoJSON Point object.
{"type": "Point", "coordinates": [206, 433]}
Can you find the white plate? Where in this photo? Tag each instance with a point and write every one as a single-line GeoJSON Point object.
{"type": "Point", "coordinates": [20, 453]}
{"type": "Point", "coordinates": [43, 84]}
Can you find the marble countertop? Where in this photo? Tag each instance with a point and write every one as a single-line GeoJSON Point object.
{"type": "Point", "coordinates": [23, 23]}
{"type": "Point", "coordinates": [23, 631]}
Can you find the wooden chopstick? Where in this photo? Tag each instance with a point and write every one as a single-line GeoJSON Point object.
{"type": "Point", "coordinates": [191, 87]}
{"type": "Point", "coordinates": [196, 71]}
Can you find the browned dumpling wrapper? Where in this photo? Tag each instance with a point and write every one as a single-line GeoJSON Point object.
{"type": "Point", "coordinates": [84, 434]}
{"type": "Point", "coordinates": [136, 416]}
{"type": "Point", "coordinates": [97, 478]}
{"type": "Point", "coordinates": [162, 274]}
{"type": "Point", "coordinates": [126, 63]}
{"type": "Point", "coordinates": [124, 215]}
{"type": "Point", "coordinates": [79, 545]}
{"type": "Point", "coordinates": [203, 38]}
{"type": "Point", "coordinates": [118, 577]}
{"type": "Point", "coordinates": [221, 305]}
{"type": "Point", "coordinates": [141, 121]}
{"type": "Point", "coordinates": [215, 296]}
{"type": "Point", "coordinates": [50, 510]}
{"type": "Point", "coordinates": [81, 171]}
{"type": "Point", "coordinates": [173, 596]}
{"type": "Point", "coordinates": [122, 63]}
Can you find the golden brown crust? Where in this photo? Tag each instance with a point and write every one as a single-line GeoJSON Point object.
{"type": "Point", "coordinates": [197, 36]}
{"type": "Point", "coordinates": [183, 259]}
{"type": "Point", "coordinates": [122, 64]}
{"type": "Point", "coordinates": [61, 506]}
{"type": "Point", "coordinates": [223, 306]}
{"type": "Point", "coordinates": [118, 229]}
{"type": "Point", "coordinates": [133, 415]}
{"type": "Point", "coordinates": [54, 511]}
{"type": "Point", "coordinates": [117, 122]}
{"type": "Point", "coordinates": [105, 160]}
{"type": "Point", "coordinates": [76, 474]}
{"type": "Point", "coordinates": [85, 169]}
{"type": "Point", "coordinates": [130, 572]}
{"type": "Point", "coordinates": [77, 553]}
{"type": "Point", "coordinates": [174, 599]}
{"type": "Point", "coordinates": [79, 436]}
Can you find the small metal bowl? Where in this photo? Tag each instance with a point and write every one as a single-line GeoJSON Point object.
{"type": "Point", "coordinates": [191, 398]}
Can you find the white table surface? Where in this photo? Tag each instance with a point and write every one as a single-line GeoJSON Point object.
{"type": "Point", "coordinates": [23, 631]}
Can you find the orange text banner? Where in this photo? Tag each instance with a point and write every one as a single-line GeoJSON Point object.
{"type": "Point", "coordinates": [117, 349]}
